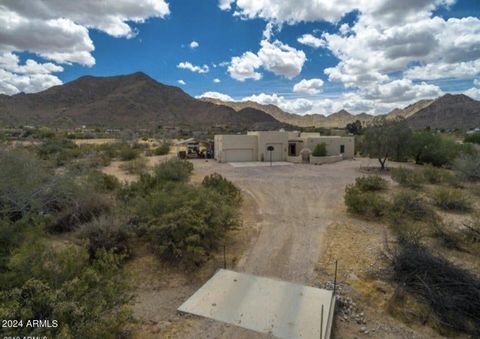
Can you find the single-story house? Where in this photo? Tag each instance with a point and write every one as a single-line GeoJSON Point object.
{"type": "Point", "coordinates": [279, 146]}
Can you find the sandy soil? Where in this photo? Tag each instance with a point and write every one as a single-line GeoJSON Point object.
{"type": "Point", "coordinates": [115, 170]}
{"type": "Point", "coordinates": [99, 141]}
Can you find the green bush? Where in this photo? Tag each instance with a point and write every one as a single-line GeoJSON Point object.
{"type": "Point", "coordinates": [163, 149]}
{"type": "Point", "coordinates": [473, 138]}
{"type": "Point", "coordinates": [410, 205]}
{"type": "Point", "coordinates": [371, 183]}
{"type": "Point", "coordinates": [127, 153]}
{"type": "Point", "coordinates": [368, 204]}
{"type": "Point", "coordinates": [435, 175]}
{"type": "Point", "coordinates": [186, 223]}
{"type": "Point", "coordinates": [107, 233]}
{"type": "Point", "coordinates": [451, 199]}
{"type": "Point", "coordinates": [468, 167]}
{"type": "Point", "coordinates": [320, 150]}
{"type": "Point", "coordinates": [173, 170]}
{"type": "Point", "coordinates": [136, 166]}
{"type": "Point", "coordinates": [59, 151]}
{"type": "Point", "coordinates": [103, 182]}
{"type": "Point", "coordinates": [222, 186]}
{"type": "Point", "coordinates": [88, 299]}
{"type": "Point", "coordinates": [433, 148]}
{"type": "Point", "coordinates": [407, 177]}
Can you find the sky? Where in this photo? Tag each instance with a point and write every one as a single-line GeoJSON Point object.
{"type": "Point", "coordinates": [305, 56]}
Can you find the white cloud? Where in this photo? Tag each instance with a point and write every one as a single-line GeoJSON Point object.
{"type": "Point", "coordinates": [312, 41]}
{"type": "Point", "coordinates": [403, 90]}
{"type": "Point", "coordinates": [225, 5]}
{"type": "Point", "coordinates": [181, 82]}
{"type": "Point", "coordinates": [194, 44]}
{"type": "Point", "coordinates": [193, 68]}
{"type": "Point", "coordinates": [216, 80]}
{"type": "Point", "coordinates": [299, 105]}
{"type": "Point", "coordinates": [216, 95]}
{"type": "Point", "coordinates": [308, 87]}
{"type": "Point", "coordinates": [476, 82]}
{"type": "Point", "coordinates": [434, 71]}
{"type": "Point", "coordinates": [473, 93]}
{"type": "Point", "coordinates": [29, 77]}
{"type": "Point", "coordinates": [244, 67]}
{"type": "Point", "coordinates": [281, 59]}
{"type": "Point", "coordinates": [59, 31]}
{"type": "Point", "coordinates": [275, 57]}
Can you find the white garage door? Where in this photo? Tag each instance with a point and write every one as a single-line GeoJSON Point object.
{"type": "Point", "coordinates": [276, 153]}
{"type": "Point", "coordinates": [237, 155]}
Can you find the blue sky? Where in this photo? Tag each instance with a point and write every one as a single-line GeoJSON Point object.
{"type": "Point", "coordinates": [368, 55]}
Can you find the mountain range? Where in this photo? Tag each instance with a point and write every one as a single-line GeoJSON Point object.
{"type": "Point", "coordinates": [138, 101]}
{"type": "Point", "coordinates": [446, 112]}
{"type": "Point", "coordinates": [134, 100]}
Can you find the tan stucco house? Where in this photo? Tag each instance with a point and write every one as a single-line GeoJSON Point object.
{"type": "Point", "coordinates": [281, 146]}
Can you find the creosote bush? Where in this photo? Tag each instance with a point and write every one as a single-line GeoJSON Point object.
{"type": "Point", "coordinates": [163, 149]}
{"type": "Point", "coordinates": [468, 167]}
{"type": "Point", "coordinates": [127, 153]}
{"type": "Point", "coordinates": [407, 177]}
{"type": "Point", "coordinates": [173, 170]}
{"type": "Point", "coordinates": [452, 199]}
{"type": "Point", "coordinates": [368, 204]}
{"type": "Point", "coordinates": [435, 175]}
{"type": "Point", "coordinates": [222, 186]}
{"type": "Point", "coordinates": [108, 233]}
{"type": "Point", "coordinates": [410, 205]}
{"type": "Point", "coordinates": [371, 183]}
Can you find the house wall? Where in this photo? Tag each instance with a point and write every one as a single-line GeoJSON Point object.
{"type": "Point", "coordinates": [276, 138]}
{"type": "Point", "coordinates": [333, 145]}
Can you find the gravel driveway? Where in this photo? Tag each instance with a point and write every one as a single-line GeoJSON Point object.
{"type": "Point", "coordinates": [295, 204]}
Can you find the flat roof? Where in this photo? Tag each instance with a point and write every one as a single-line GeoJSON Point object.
{"type": "Point", "coordinates": [279, 308]}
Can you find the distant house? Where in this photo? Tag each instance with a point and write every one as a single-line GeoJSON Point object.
{"type": "Point", "coordinates": [280, 146]}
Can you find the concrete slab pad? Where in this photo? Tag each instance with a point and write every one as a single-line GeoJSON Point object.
{"type": "Point", "coordinates": [259, 164]}
{"type": "Point", "coordinates": [276, 307]}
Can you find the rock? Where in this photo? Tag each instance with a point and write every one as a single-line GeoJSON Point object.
{"type": "Point", "coordinates": [363, 328]}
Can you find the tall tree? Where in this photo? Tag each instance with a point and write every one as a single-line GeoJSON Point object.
{"type": "Point", "coordinates": [387, 139]}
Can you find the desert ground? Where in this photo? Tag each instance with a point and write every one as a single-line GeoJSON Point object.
{"type": "Point", "coordinates": [295, 227]}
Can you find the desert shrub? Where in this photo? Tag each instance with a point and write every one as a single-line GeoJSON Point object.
{"type": "Point", "coordinates": [163, 149]}
{"type": "Point", "coordinates": [222, 186]}
{"type": "Point", "coordinates": [136, 166]}
{"type": "Point", "coordinates": [368, 204]}
{"type": "Point", "coordinates": [468, 167]}
{"type": "Point", "coordinates": [186, 223]}
{"type": "Point", "coordinates": [102, 182]}
{"type": "Point", "coordinates": [371, 183]}
{"type": "Point", "coordinates": [173, 170]}
{"type": "Point", "coordinates": [22, 178]}
{"type": "Point", "coordinates": [59, 151]}
{"type": "Point", "coordinates": [107, 233]}
{"type": "Point", "coordinates": [127, 153]}
{"type": "Point", "coordinates": [410, 205]}
{"type": "Point", "coordinates": [473, 138]}
{"type": "Point", "coordinates": [320, 150]}
{"type": "Point", "coordinates": [452, 294]}
{"type": "Point", "coordinates": [435, 175]}
{"type": "Point", "coordinates": [407, 177]}
{"type": "Point", "coordinates": [452, 199]}
{"type": "Point", "coordinates": [88, 299]}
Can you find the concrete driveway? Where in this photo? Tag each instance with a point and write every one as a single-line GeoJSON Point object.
{"type": "Point", "coordinates": [294, 206]}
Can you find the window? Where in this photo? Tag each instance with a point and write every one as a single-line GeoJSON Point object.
{"type": "Point", "coordinates": [342, 149]}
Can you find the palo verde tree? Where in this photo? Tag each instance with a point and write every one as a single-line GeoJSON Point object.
{"type": "Point", "coordinates": [387, 139]}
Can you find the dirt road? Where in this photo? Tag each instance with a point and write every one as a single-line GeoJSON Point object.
{"type": "Point", "coordinates": [295, 204]}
